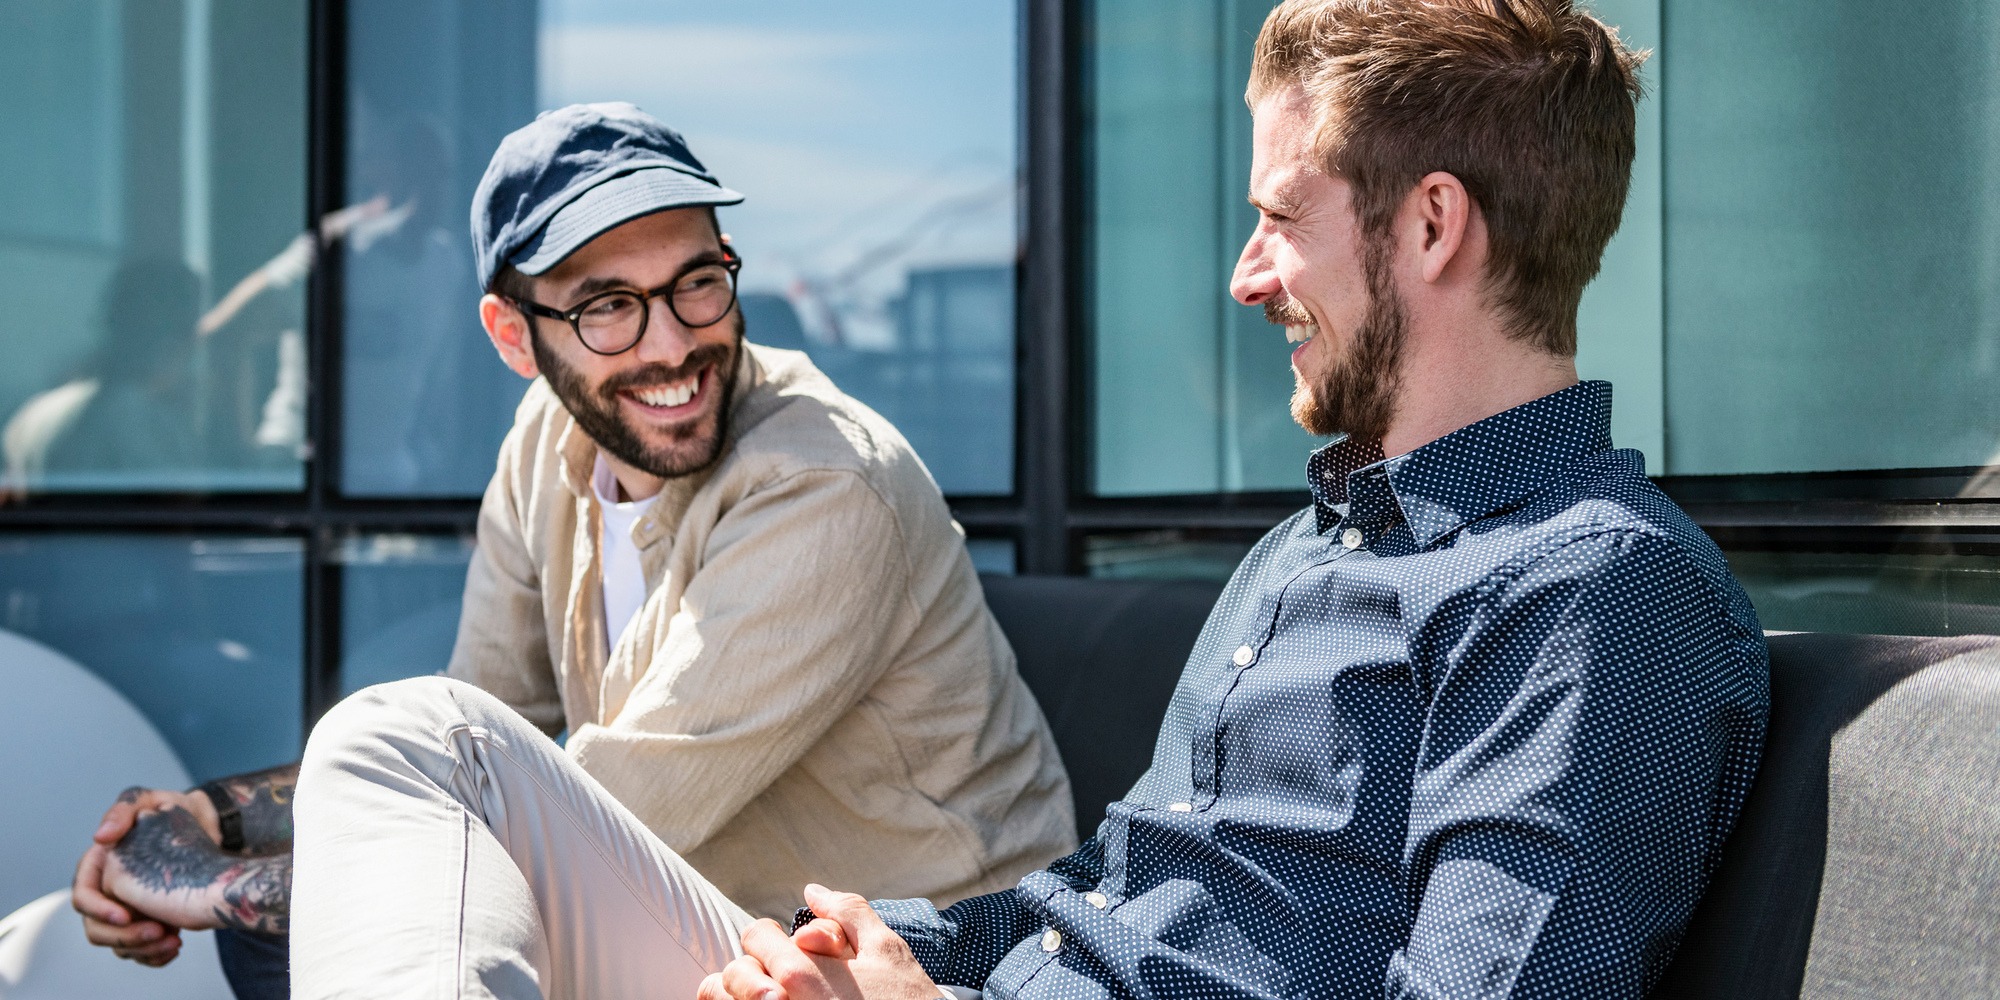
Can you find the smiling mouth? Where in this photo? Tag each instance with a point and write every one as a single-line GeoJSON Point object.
{"type": "Point", "coordinates": [1299, 333]}
{"type": "Point", "coordinates": [671, 396]}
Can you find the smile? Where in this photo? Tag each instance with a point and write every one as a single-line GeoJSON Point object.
{"type": "Point", "coordinates": [671, 396]}
{"type": "Point", "coordinates": [1300, 333]}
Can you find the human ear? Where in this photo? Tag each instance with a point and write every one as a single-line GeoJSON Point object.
{"type": "Point", "coordinates": [507, 327]}
{"type": "Point", "coordinates": [1444, 210]}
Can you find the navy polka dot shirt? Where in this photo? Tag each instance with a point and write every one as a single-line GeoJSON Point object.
{"type": "Point", "coordinates": [1473, 725]}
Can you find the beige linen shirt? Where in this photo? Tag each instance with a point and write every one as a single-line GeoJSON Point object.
{"type": "Point", "coordinates": [813, 689]}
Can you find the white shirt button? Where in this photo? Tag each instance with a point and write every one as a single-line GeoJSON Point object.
{"type": "Point", "coordinates": [1351, 538]}
{"type": "Point", "coordinates": [1051, 939]}
{"type": "Point", "coordinates": [1244, 655]}
{"type": "Point", "coordinates": [1096, 899]}
{"type": "Point", "coordinates": [1181, 807]}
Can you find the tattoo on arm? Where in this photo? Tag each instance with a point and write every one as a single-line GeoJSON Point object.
{"type": "Point", "coordinates": [169, 853]}
{"type": "Point", "coordinates": [264, 798]}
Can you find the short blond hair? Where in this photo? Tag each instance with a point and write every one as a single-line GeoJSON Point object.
{"type": "Point", "coordinates": [1531, 104]}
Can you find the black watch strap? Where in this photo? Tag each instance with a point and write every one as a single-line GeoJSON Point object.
{"type": "Point", "coordinates": [227, 818]}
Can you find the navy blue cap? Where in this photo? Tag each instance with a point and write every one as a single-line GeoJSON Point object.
{"type": "Point", "coordinates": [563, 179]}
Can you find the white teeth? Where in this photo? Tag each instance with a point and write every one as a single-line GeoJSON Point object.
{"type": "Point", "coordinates": [1301, 334]}
{"type": "Point", "coordinates": [671, 395]}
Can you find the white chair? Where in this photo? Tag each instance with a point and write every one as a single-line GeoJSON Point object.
{"type": "Point", "coordinates": [68, 744]}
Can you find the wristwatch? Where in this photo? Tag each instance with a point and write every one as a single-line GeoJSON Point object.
{"type": "Point", "coordinates": [227, 817]}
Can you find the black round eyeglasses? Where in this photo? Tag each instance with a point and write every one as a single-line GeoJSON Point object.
{"type": "Point", "coordinates": [612, 322]}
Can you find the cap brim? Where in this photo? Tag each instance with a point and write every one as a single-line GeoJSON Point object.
{"type": "Point", "coordinates": [614, 203]}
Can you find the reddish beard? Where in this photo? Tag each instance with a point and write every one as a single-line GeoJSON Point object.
{"type": "Point", "coordinates": [1357, 393]}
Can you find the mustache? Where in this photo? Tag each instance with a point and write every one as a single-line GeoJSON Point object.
{"type": "Point", "coordinates": [1286, 312]}
{"type": "Point", "coordinates": [661, 374]}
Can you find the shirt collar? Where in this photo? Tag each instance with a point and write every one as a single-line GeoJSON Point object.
{"type": "Point", "coordinates": [1467, 474]}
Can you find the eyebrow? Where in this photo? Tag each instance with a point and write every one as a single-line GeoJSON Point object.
{"type": "Point", "coordinates": [608, 282]}
{"type": "Point", "coordinates": [1281, 202]}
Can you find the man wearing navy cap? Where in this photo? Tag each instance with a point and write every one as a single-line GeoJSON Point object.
{"type": "Point", "coordinates": [735, 588]}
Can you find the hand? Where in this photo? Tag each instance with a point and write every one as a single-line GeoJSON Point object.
{"type": "Point", "coordinates": [106, 921]}
{"type": "Point", "coordinates": [852, 955]}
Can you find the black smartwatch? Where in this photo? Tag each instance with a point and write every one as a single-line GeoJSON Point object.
{"type": "Point", "coordinates": [227, 818]}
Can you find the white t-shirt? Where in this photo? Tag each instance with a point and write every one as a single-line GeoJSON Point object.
{"type": "Point", "coordinates": [624, 578]}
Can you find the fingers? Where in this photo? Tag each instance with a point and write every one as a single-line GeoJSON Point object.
{"type": "Point", "coordinates": [86, 893]}
{"type": "Point", "coordinates": [745, 979]}
{"type": "Point", "coordinates": [131, 804]}
{"type": "Point", "coordinates": [823, 937]}
{"type": "Point", "coordinates": [140, 936]}
{"type": "Point", "coordinates": [155, 954]}
{"type": "Point", "coordinates": [856, 918]}
{"type": "Point", "coordinates": [777, 960]}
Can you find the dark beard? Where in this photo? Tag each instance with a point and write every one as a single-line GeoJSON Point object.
{"type": "Point", "coordinates": [1358, 393]}
{"type": "Point", "coordinates": [596, 411]}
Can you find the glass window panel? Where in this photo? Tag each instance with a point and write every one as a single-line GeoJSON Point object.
{"type": "Point", "coordinates": [151, 202]}
{"type": "Point", "coordinates": [995, 556]}
{"type": "Point", "coordinates": [1882, 594]}
{"type": "Point", "coordinates": [875, 145]}
{"type": "Point", "coordinates": [1189, 389]}
{"type": "Point", "coordinates": [433, 85]}
{"type": "Point", "coordinates": [202, 635]}
{"type": "Point", "coordinates": [400, 597]}
{"type": "Point", "coordinates": [1833, 235]}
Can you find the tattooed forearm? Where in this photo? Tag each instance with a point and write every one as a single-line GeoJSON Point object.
{"type": "Point", "coordinates": [259, 897]}
{"type": "Point", "coordinates": [264, 798]}
{"type": "Point", "coordinates": [168, 868]}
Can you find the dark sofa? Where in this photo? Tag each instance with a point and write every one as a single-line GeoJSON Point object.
{"type": "Point", "coordinates": [1867, 859]}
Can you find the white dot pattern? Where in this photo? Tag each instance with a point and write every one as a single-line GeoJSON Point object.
{"type": "Point", "coordinates": [1490, 749]}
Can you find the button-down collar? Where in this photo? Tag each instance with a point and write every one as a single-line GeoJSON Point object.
{"type": "Point", "coordinates": [1465, 475]}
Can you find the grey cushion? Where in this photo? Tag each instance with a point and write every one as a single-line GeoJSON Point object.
{"type": "Point", "coordinates": [1750, 935]}
{"type": "Point", "coordinates": [1909, 906]}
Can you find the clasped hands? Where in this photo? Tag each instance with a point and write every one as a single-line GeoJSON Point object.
{"type": "Point", "coordinates": [846, 952]}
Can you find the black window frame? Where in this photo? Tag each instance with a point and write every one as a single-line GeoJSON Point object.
{"type": "Point", "coordinates": [1050, 513]}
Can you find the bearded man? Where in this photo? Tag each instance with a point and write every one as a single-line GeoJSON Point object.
{"type": "Point", "coordinates": [734, 587]}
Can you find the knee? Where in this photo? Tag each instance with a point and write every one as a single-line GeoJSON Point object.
{"type": "Point", "coordinates": [382, 718]}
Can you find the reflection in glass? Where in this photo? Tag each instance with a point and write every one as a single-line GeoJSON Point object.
{"type": "Point", "coordinates": [399, 604]}
{"type": "Point", "coordinates": [155, 165]}
{"type": "Point", "coordinates": [1833, 235]}
{"type": "Point", "coordinates": [201, 635]}
{"type": "Point", "coordinates": [876, 144]}
{"type": "Point", "coordinates": [1905, 594]}
{"type": "Point", "coordinates": [433, 85]}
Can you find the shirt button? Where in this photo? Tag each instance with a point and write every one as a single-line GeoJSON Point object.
{"type": "Point", "coordinates": [1351, 538]}
{"type": "Point", "coordinates": [1096, 899]}
{"type": "Point", "coordinates": [1181, 807]}
{"type": "Point", "coordinates": [1244, 655]}
{"type": "Point", "coordinates": [1051, 939]}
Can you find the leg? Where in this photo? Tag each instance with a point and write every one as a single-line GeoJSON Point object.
{"type": "Point", "coordinates": [256, 965]}
{"type": "Point", "coordinates": [445, 848]}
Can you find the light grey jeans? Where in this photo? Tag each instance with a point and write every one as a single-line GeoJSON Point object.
{"type": "Point", "coordinates": [445, 848]}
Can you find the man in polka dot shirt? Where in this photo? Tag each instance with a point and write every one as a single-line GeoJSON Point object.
{"type": "Point", "coordinates": [1474, 724]}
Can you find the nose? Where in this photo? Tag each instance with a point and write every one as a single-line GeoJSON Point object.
{"type": "Point", "coordinates": [666, 340]}
{"type": "Point", "coordinates": [1254, 281]}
